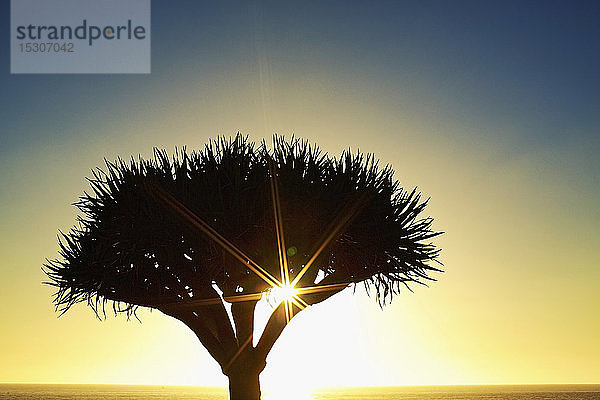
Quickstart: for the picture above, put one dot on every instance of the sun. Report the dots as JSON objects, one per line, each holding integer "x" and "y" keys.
{"x": 282, "y": 293}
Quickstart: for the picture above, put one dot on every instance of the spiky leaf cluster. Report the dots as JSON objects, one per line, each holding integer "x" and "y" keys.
{"x": 132, "y": 248}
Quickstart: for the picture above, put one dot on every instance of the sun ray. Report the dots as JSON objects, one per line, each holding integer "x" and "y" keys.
{"x": 338, "y": 224}
{"x": 286, "y": 307}
{"x": 213, "y": 234}
{"x": 238, "y": 352}
{"x": 321, "y": 288}
{"x": 293, "y": 299}
{"x": 243, "y": 297}
{"x": 283, "y": 264}
{"x": 212, "y": 301}
{"x": 297, "y": 300}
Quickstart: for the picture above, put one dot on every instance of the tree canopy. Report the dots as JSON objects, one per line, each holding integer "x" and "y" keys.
{"x": 179, "y": 233}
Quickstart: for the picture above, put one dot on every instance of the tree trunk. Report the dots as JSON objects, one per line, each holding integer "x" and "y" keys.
{"x": 244, "y": 385}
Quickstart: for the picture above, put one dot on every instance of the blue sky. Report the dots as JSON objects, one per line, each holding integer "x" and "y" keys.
{"x": 535, "y": 62}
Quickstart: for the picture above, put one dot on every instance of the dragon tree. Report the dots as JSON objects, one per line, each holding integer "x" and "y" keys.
{"x": 233, "y": 223}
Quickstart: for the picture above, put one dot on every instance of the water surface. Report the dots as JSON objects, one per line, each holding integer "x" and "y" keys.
{"x": 134, "y": 392}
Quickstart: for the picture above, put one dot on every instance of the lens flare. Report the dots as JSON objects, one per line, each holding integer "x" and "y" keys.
{"x": 277, "y": 294}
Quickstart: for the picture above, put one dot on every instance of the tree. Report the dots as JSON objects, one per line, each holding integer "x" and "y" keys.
{"x": 235, "y": 222}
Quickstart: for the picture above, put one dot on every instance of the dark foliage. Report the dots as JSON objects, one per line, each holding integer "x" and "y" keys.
{"x": 132, "y": 249}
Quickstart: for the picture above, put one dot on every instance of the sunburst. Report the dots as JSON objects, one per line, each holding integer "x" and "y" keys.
{"x": 281, "y": 291}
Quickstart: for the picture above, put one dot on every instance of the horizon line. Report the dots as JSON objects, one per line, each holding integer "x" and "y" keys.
{"x": 316, "y": 387}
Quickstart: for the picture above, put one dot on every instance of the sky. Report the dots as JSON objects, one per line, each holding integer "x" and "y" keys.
{"x": 491, "y": 109}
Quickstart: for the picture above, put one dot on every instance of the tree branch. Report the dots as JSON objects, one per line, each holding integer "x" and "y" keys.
{"x": 210, "y": 322}
{"x": 243, "y": 316}
{"x": 331, "y": 279}
{"x": 218, "y": 316}
{"x": 273, "y": 329}
{"x": 204, "y": 334}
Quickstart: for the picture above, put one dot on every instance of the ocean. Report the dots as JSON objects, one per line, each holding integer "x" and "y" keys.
{"x": 125, "y": 392}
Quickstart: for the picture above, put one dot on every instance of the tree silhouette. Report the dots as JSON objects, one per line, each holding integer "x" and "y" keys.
{"x": 235, "y": 222}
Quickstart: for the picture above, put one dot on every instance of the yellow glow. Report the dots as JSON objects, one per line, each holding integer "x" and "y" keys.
{"x": 275, "y": 390}
{"x": 520, "y": 253}
{"x": 278, "y": 294}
